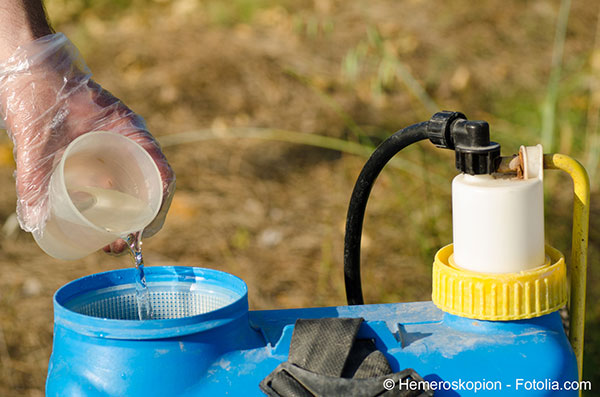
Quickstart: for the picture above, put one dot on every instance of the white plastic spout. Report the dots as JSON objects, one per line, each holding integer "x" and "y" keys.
{"x": 498, "y": 222}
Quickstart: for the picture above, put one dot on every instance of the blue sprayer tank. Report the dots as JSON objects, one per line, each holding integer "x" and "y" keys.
{"x": 492, "y": 327}
{"x": 229, "y": 350}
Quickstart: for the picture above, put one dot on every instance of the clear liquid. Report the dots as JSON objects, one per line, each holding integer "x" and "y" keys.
{"x": 142, "y": 295}
{"x": 113, "y": 210}
{"x": 109, "y": 209}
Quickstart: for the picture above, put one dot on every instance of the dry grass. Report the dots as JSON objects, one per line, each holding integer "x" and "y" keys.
{"x": 271, "y": 212}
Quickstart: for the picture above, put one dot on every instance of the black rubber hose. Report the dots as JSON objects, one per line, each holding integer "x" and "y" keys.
{"x": 358, "y": 203}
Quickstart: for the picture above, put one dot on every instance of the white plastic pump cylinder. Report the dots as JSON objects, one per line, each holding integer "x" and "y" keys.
{"x": 498, "y": 223}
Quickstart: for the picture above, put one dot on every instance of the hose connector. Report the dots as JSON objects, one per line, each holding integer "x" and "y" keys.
{"x": 440, "y": 126}
{"x": 470, "y": 140}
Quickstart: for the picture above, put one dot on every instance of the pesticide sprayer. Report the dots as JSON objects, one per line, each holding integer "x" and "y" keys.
{"x": 492, "y": 327}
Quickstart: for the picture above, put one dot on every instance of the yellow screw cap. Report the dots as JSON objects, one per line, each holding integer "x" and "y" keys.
{"x": 499, "y": 297}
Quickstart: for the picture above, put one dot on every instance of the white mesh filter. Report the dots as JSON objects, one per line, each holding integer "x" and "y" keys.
{"x": 171, "y": 301}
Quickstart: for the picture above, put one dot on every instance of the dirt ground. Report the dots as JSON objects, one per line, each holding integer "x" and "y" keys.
{"x": 273, "y": 212}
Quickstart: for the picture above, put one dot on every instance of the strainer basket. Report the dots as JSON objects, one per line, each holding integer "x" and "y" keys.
{"x": 100, "y": 348}
{"x": 183, "y": 300}
{"x": 168, "y": 301}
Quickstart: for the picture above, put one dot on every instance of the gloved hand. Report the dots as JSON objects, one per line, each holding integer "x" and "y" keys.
{"x": 47, "y": 99}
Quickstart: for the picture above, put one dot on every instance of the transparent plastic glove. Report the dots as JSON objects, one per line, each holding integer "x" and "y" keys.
{"x": 47, "y": 99}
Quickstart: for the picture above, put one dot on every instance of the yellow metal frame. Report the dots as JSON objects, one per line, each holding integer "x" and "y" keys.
{"x": 579, "y": 246}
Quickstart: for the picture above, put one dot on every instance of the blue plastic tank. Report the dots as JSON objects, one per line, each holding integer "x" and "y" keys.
{"x": 206, "y": 342}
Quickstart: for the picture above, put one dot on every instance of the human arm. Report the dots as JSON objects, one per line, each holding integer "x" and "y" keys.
{"x": 22, "y": 21}
{"x": 47, "y": 99}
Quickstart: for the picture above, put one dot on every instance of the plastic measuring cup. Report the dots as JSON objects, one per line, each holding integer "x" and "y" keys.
{"x": 104, "y": 187}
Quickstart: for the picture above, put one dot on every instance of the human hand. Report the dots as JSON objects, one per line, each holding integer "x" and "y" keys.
{"x": 47, "y": 99}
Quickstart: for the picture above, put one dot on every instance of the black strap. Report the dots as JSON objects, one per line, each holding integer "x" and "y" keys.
{"x": 326, "y": 359}
{"x": 323, "y": 346}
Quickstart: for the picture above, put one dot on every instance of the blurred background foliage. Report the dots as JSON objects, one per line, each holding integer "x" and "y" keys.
{"x": 267, "y": 110}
